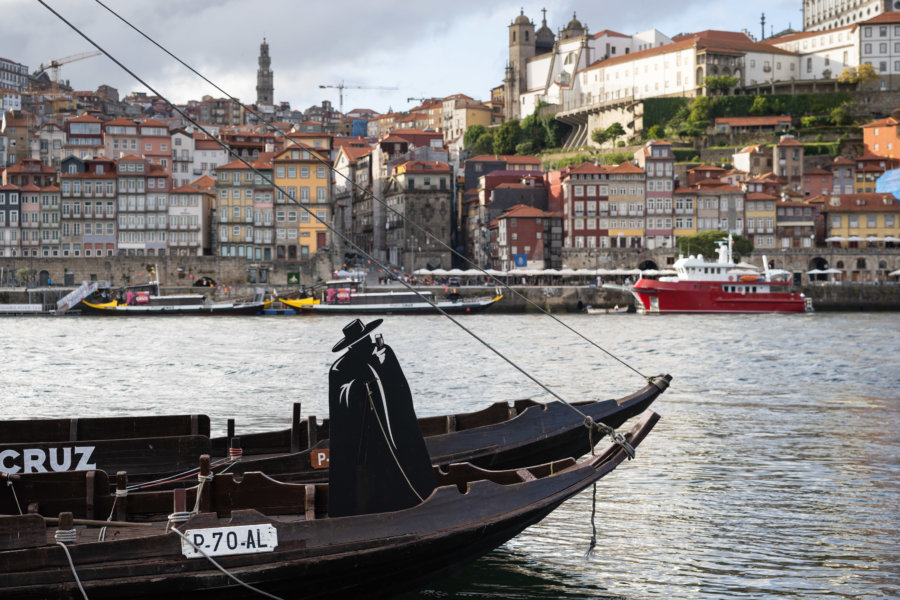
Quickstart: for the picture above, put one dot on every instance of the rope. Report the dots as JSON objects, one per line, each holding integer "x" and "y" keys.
{"x": 202, "y": 479}
{"x": 390, "y": 448}
{"x": 71, "y": 564}
{"x": 222, "y": 569}
{"x": 366, "y": 193}
{"x": 589, "y": 553}
{"x": 112, "y": 511}
{"x": 616, "y": 437}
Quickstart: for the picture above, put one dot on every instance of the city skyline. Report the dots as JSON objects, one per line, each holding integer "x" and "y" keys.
{"x": 414, "y": 46}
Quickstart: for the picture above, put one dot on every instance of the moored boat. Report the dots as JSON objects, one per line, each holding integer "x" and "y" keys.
{"x": 614, "y": 310}
{"x": 701, "y": 286}
{"x": 148, "y": 300}
{"x": 160, "y": 449}
{"x": 276, "y": 537}
{"x": 347, "y": 297}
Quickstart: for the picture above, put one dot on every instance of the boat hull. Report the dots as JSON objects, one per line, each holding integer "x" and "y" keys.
{"x": 251, "y": 308}
{"x": 709, "y": 297}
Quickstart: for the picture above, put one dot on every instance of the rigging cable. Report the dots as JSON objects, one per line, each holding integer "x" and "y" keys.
{"x": 365, "y": 192}
{"x": 408, "y": 286}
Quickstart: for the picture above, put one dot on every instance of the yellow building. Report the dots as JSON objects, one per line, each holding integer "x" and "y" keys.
{"x": 234, "y": 209}
{"x": 760, "y": 209}
{"x": 627, "y": 184}
{"x": 862, "y": 219}
{"x": 302, "y": 201}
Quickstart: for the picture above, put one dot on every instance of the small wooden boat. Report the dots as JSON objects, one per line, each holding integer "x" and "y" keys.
{"x": 276, "y": 537}
{"x": 159, "y": 450}
{"x": 346, "y": 297}
{"x": 148, "y": 300}
{"x": 615, "y": 310}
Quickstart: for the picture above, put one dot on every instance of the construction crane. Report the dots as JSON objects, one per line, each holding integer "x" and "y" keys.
{"x": 341, "y": 87}
{"x": 54, "y": 65}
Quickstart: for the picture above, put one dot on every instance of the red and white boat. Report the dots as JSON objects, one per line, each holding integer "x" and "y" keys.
{"x": 700, "y": 286}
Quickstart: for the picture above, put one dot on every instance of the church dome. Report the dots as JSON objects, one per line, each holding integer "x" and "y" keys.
{"x": 573, "y": 28}
{"x": 522, "y": 19}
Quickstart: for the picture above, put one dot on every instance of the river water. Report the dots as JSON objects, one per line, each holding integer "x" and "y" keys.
{"x": 775, "y": 471}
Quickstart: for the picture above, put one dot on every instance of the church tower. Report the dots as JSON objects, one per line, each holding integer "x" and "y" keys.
{"x": 521, "y": 48}
{"x": 265, "y": 90}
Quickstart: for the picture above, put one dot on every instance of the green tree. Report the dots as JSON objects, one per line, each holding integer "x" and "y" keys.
{"x": 533, "y": 131}
{"x": 484, "y": 144}
{"x": 657, "y": 132}
{"x": 720, "y": 83}
{"x": 615, "y": 131}
{"x": 861, "y": 75}
{"x": 701, "y": 109}
{"x": 599, "y": 136}
{"x": 507, "y": 137}
{"x": 760, "y": 106}
{"x": 840, "y": 115}
{"x": 554, "y": 131}
{"x": 472, "y": 134}
{"x": 704, "y": 243}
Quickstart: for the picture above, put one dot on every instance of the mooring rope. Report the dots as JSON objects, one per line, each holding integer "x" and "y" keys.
{"x": 68, "y": 536}
{"x": 12, "y": 488}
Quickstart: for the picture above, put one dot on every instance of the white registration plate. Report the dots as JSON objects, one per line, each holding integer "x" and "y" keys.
{"x": 237, "y": 539}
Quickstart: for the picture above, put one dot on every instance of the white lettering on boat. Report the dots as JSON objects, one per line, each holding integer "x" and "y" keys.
{"x": 39, "y": 460}
{"x": 222, "y": 541}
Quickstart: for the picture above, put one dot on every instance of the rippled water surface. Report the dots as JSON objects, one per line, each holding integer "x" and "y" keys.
{"x": 775, "y": 471}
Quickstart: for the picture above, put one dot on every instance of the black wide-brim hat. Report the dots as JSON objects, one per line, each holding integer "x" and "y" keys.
{"x": 355, "y": 331}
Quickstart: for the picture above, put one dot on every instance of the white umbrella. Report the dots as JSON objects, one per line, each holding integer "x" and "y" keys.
{"x": 440, "y": 272}
{"x": 568, "y": 272}
{"x": 832, "y": 271}
{"x": 835, "y": 238}
{"x": 649, "y": 272}
{"x": 855, "y": 238}
{"x": 474, "y": 272}
{"x": 894, "y": 273}
{"x": 455, "y": 272}
{"x": 891, "y": 238}
{"x": 496, "y": 273}
{"x": 815, "y": 272}
{"x": 422, "y": 272}
{"x": 585, "y": 272}
{"x": 743, "y": 265}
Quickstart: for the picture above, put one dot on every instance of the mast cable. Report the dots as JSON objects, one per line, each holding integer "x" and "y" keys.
{"x": 508, "y": 360}
{"x": 366, "y": 192}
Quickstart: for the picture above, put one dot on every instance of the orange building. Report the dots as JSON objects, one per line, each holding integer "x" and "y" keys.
{"x": 881, "y": 137}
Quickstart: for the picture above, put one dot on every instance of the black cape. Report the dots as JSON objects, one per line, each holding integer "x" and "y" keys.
{"x": 378, "y": 461}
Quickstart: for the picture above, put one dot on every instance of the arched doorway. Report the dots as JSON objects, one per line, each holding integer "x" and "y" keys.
{"x": 44, "y": 278}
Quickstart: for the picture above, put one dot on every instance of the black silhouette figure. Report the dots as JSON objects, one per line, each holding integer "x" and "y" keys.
{"x": 378, "y": 460}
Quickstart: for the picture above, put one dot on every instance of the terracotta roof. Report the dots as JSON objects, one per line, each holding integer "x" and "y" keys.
{"x": 882, "y": 122}
{"x": 770, "y": 176}
{"x": 425, "y": 166}
{"x": 761, "y": 196}
{"x": 520, "y": 211}
{"x": 817, "y": 171}
{"x": 870, "y": 169}
{"x": 585, "y": 167}
{"x": 757, "y": 149}
{"x": 706, "y": 168}
{"x": 354, "y": 153}
{"x": 788, "y": 141}
{"x": 84, "y": 118}
{"x": 885, "y": 17}
{"x": 626, "y": 167}
{"x": 31, "y": 188}
{"x": 610, "y": 33}
{"x": 843, "y": 161}
{"x": 866, "y": 202}
{"x": 869, "y": 157}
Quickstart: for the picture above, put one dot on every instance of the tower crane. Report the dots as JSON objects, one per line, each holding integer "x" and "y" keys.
{"x": 54, "y": 65}
{"x": 341, "y": 87}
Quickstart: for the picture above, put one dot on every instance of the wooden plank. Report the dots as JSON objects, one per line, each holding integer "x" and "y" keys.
{"x": 24, "y": 531}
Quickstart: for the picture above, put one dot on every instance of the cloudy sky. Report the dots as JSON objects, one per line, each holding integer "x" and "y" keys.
{"x": 423, "y": 49}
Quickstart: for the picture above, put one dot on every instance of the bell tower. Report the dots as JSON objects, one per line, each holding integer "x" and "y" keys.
{"x": 265, "y": 90}
{"x": 521, "y": 48}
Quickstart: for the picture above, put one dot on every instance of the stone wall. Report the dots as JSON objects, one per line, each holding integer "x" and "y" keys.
{"x": 174, "y": 271}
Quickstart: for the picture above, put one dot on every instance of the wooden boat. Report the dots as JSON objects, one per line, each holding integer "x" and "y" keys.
{"x": 273, "y": 536}
{"x": 148, "y": 300}
{"x": 346, "y": 297}
{"x": 164, "y": 448}
{"x": 615, "y": 310}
